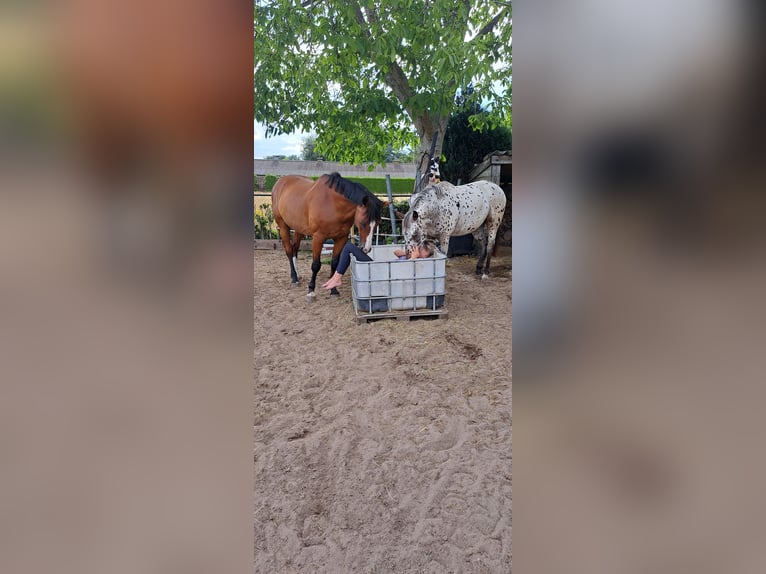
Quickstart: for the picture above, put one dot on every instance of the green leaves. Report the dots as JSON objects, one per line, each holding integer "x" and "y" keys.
{"x": 361, "y": 88}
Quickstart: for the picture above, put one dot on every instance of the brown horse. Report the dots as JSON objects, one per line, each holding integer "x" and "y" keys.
{"x": 325, "y": 209}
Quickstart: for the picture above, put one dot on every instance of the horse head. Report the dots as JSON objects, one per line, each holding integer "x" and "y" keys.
{"x": 418, "y": 223}
{"x": 367, "y": 218}
{"x": 369, "y": 209}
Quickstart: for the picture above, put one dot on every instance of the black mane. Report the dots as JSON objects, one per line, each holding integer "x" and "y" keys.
{"x": 356, "y": 193}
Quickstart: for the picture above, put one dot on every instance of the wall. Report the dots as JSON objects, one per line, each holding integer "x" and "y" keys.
{"x": 316, "y": 168}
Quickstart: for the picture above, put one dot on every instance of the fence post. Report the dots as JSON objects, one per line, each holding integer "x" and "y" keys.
{"x": 391, "y": 210}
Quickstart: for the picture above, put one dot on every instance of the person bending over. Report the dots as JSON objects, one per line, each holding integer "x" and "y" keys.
{"x": 417, "y": 252}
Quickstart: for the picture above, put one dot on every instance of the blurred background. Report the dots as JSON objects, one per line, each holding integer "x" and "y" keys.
{"x": 126, "y": 286}
{"x": 638, "y": 284}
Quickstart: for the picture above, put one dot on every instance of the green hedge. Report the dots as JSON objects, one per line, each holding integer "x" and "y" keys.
{"x": 270, "y": 181}
{"x": 376, "y": 185}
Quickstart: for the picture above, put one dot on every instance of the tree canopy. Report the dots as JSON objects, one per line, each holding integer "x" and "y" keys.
{"x": 368, "y": 76}
{"x": 308, "y": 151}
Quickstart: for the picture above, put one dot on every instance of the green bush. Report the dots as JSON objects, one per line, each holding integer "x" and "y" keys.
{"x": 264, "y": 225}
{"x": 269, "y": 182}
{"x": 464, "y": 147}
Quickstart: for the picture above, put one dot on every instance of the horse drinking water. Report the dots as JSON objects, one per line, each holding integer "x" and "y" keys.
{"x": 325, "y": 209}
{"x": 442, "y": 210}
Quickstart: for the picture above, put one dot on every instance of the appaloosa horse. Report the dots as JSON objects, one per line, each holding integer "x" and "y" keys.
{"x": 325, "y": 209}
{"x": 442, "y": 210}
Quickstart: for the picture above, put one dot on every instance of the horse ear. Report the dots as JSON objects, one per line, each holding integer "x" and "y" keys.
{"x": 385, "y": 203}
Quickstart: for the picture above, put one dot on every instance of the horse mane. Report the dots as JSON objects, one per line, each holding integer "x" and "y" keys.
{"x": 355, "y": 193}
{"x": 440, "y": 188}
{"x": 437, "y": 188}
{"x": 416, "y": 199}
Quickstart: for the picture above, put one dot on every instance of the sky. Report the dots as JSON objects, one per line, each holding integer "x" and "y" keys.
{"x": 287, "y": 144}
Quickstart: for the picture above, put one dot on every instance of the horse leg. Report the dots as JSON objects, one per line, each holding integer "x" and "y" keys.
{"x": 297, "y": 238}
{"x": 490, "y": 246}
{"x": 284, "y": 233}
{"x": 336, "y": 249}
{"x": 316, "y": 263}
{"x": 480, "y": 235}
{"x": 443, "y": 241}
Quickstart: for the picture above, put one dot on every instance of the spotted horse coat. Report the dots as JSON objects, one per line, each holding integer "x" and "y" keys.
{"x": 443, "y": 210}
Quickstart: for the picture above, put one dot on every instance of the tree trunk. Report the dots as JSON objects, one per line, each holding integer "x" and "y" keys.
{"x": 426, "y": 125}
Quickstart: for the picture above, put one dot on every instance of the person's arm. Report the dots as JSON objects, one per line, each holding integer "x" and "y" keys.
{"x": 400, "y": 252}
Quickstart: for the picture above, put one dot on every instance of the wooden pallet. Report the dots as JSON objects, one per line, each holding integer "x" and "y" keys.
{"x": 403, "y": 315}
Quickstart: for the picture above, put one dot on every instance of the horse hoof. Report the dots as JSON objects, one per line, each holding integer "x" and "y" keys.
{"x": 484, "y": 276}
{"x": 311, "y": 296}
{"x": 334, "y": 291}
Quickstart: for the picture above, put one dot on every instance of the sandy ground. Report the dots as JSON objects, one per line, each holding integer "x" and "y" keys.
{"x": 383, "y": 447}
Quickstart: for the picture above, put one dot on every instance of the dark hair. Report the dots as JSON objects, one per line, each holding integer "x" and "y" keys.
{"x": 356, "y": 193}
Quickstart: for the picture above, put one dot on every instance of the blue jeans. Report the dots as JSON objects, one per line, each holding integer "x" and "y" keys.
{"x": 345, "y": 257}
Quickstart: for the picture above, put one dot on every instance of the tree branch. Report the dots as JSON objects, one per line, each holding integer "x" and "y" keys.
{"x": 395, "y": 79}
{"x": 361, "y": 21}
{"x": 372, "y": 17}
{"x": 489, "y": 26}
{"x": 398, "y": 82}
